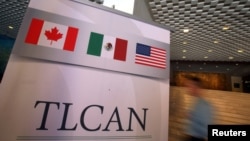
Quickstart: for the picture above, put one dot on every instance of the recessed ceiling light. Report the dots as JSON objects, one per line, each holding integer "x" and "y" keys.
{"x": 210, "y": 50}
{"x": 185, "y": 30}
{"x": 184, "y": 50}
{"x": 183, "y": 57}
{"x": 10, "y": 27}
{"x": 216, "y": 42}
{"x": 240, "y": 51}
{"x": 225, "y": 28}
{"x": 184, "y": 43}
{"x": 205, "y": 57}
{"x": 230, "y": 57}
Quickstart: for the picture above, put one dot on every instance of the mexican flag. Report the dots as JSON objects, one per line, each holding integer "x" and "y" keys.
{"x": 52, "y": 35}
{"x": 107, "y": 46}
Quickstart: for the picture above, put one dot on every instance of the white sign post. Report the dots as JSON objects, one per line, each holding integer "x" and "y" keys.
{"x": 80, "y": 71}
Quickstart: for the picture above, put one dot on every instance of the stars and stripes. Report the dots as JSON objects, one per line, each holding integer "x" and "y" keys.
{"x": 150, "y": 56}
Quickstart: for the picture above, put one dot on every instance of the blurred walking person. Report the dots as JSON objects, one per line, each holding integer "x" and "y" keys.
{"x": 200, "y": 115}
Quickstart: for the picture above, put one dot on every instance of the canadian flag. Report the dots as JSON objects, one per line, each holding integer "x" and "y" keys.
{"x": 51, "y": 34}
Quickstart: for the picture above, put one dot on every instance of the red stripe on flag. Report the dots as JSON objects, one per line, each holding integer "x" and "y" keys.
{"x": 150, "y": 61}
{"x": 152, "y": 65}
{"x": 70, "y": 40}
{"x": 120, "y": 49}
{"x": 34, "y": 31}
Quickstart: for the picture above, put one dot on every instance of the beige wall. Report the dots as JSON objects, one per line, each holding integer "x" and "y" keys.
{"x": 231, "y": 108}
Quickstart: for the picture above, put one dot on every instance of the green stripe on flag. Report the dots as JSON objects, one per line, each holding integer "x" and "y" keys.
{"x": 95, "y": 44}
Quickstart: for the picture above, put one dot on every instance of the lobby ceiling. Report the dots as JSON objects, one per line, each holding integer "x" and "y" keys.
{"x": 218, "y": 37}
{"x": 219, "y": 30}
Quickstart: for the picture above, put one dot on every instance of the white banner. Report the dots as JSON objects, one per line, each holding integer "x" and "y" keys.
{"x": 43, "y": 100}
{"x": 47, "y": 94}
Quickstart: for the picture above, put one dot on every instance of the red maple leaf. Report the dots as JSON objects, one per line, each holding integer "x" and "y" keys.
{"x": 53, "y": 34}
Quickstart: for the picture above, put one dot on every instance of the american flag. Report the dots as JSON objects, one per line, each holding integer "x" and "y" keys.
{"x": 150, "y": 56}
